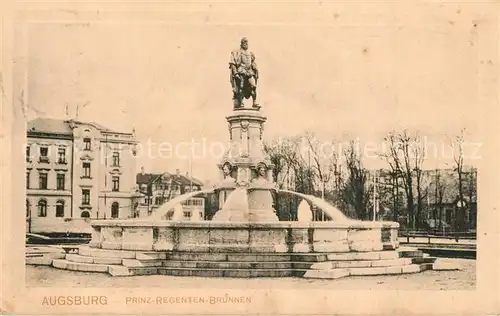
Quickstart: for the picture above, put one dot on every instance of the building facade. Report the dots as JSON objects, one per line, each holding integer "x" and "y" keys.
{"x": 158, "y": 188}
{"x": 76, "y": 171}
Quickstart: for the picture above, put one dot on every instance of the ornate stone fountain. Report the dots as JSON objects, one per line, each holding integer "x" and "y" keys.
{"x": 245, "y": 237}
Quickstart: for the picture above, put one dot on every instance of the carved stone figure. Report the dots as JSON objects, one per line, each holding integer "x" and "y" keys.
{"x": 226, "y": 170}
{"x": 244, "y": 75}
{"x": 261, "y": 175}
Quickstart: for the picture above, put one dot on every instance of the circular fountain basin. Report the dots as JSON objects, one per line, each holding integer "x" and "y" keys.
{"x": 271, "y": 237}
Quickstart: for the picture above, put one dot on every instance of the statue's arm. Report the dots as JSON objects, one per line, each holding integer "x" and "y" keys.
{"x": 232, "y": 63}
{"x": 254, "y": 67}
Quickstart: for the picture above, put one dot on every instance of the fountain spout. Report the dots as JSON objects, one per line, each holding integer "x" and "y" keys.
{"x": 330, "y": 210}
{"x": 165, "y": 208}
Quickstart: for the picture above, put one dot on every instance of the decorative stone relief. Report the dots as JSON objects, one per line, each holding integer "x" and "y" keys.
{"x": 226, "y": 171}
{"x": 244, "y": 138}
{"x": 243, "y": 176}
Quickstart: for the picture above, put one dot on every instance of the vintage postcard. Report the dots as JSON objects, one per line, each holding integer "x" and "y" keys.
{"x": 270, "y": 157}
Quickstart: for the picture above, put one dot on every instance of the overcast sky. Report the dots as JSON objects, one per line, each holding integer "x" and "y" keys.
{"x": 171, "y": 81}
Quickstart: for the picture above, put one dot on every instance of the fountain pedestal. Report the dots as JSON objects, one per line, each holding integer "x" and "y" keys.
{"x": 246, "y": 166}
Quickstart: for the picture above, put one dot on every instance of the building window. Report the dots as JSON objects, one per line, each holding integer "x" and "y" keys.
{"x": 42, "y": 208}
{"x": 43, "y": 181}
{"x": 85, "y": 214}
{"x": 61, "y": 179}
{"x": 60, "y": 209}
{"x": 85, "y": 197}
{"x": 115, "y": 210}
{"x": 27, "y": 179}
{"x": 86, "y": 170}
{"x": 116, "y": 183}
{"x": 116, "y": 159}
{"x": 28, "y": 208}
{"x": 28, "y": 154}
{"x": 61, "y": 155}
{"x": 87, "y": 144}
{"x": 44, "y": 154}
{"x": 158, "y": 200}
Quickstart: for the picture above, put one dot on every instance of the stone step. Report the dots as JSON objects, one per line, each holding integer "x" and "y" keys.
{"x": 285, "y": 265}
{"x": 410, "y": 253}
{"x": 39, "y": 261}
{"x": 411, "y": 268}
{"x": 369, "y": 256}
{"x": 104, "y": 253}
{"x": 227, "y": 265}
{"x": 372, "y": 271}
{"x": 253, "y": 257}
{"x": 326, "y": 274}
{"x": 425, "y": 259}
{"x": 34, "y": 255}
{"x": 126, "y": 271}
{"x": 231, "y": 273}
{"x": 79, "y": 266}
{"x": 153, "y": 255}
{"x": 326, "y": 265}
{"x": 96, "y": 260}
{"x": 131, "y": 263}
{"x": 284, "y": 257}
{"x": 44, "y": 259}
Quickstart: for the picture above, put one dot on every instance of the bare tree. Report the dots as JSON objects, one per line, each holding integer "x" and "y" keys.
{"x": 439, "y": 193}
{"x": 472, "y": 192}
{"x": 320, "y": 161}
{"x": 418, "y": 152}
{"x": 405, "y": 156}
{"x": 284, "y": 154}
{"x": 356, "y": 191}
{"x": 457, "y": 145}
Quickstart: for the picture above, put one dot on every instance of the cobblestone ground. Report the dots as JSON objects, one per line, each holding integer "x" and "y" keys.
{"x": 464, "y": 279}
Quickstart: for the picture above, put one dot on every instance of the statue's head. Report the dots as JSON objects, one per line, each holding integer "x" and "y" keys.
{"x": 261, "y": 170}
{"x": 226, "y": 169}
{"x": 244, "y": 43}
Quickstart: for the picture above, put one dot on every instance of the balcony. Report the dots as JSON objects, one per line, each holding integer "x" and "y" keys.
{"x": 43, "y": 159}
{"x": 62, "y": 161}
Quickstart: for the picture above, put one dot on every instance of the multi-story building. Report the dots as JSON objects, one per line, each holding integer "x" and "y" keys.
{"x": 159, "y": 188}
{"x": 77, "y": 171}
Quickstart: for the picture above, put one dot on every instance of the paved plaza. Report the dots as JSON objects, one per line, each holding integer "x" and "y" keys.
{"x": 465, "y": 279}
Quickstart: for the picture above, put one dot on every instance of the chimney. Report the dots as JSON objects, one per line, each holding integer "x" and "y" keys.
{"x": 177, "y": 172}
{"x": 187, "y": 175}
{"x": 142, "y": 170}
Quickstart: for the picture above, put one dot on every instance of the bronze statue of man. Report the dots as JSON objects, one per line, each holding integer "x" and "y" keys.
{"x": 244, "y": 75}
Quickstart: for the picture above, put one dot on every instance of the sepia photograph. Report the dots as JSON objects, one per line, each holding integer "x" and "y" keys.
{"x": 188, "y": 157}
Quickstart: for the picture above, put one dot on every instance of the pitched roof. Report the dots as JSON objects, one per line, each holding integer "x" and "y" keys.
{"x": 58, "y": 126}
{"x": 48, "y": 125}
{"x": 104, "y": 128}
{"x": 145, "y": 178}
{"x": 187, "y": 180}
